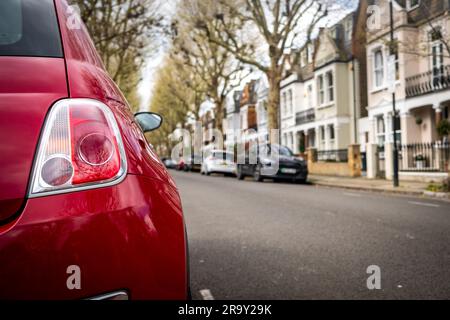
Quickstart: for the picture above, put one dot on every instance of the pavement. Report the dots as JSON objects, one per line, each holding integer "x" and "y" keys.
{"x": 272, "y": 240}
{"x": 375, "y": 185}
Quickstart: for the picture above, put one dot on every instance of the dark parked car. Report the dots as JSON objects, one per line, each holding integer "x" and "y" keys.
{"x": 290, "y": 168}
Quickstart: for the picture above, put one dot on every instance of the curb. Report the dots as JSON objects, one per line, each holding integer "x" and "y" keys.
{"x": 370, "y": 189}
{"x": 437, "y": 195}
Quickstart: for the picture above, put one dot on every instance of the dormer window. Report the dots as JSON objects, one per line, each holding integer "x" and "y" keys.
{"x": 412, "y": 4}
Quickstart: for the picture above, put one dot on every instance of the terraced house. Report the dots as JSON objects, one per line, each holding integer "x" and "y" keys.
{"x": 420, "y": 72}
{"x": 324, "y": 93}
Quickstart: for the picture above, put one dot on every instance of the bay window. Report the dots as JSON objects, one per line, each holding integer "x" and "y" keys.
{"x": 321, "y": 90}
{"x": 330, "y": 87}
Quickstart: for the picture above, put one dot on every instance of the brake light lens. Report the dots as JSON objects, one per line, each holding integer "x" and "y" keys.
{"x": 81, "y": 148}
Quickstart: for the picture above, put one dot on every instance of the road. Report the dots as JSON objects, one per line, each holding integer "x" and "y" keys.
{"x": 280, "y": 241}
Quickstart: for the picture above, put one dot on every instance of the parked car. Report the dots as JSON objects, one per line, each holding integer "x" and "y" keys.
{"x": 196, "y": 163}
{"x": 169, "y": 163}
{"x": 289, "y": 167}
{"x": 219, "y": 161}
{"x": 87, "y": 209}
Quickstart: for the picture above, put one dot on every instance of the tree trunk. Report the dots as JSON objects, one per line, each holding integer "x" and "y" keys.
{"x": 219, "y": 115}
{"x": 273, "y": 104}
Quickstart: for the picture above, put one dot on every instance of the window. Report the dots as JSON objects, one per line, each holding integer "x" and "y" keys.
{"x": 322, "y": 134}
{"x": 330, "y": 87}
{"x": 291, "y": 102}
{"x": 332, "y": 133}
{"x": 381, "y": 131}
{"x": 320, "y": 85}
{"x": 284, "y": 103}
{"x": 281, "y": 150}
{"x": 378, "y": 68}
{"x": 29, "y": 28}
{"x": 309, "y": 94}
{"x": 412, "y": 4}
{"x": 397, "y": 65}
{"x": 437, "y": 57}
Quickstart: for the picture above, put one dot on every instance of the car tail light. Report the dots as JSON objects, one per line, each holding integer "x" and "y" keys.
{"x": 80, "y": 148}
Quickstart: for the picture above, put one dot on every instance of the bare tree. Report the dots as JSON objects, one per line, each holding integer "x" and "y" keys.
{"x": 122, "y": 31}
{"x": 279, "y": 24}
{"x": 172, "y": 105}
{"x": 217, "y": 69}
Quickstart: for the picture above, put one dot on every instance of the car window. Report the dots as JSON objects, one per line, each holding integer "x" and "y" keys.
{"x": 285, "y": 151}
{"x": 281, "y": 150}
{"x": 29, "y": 28}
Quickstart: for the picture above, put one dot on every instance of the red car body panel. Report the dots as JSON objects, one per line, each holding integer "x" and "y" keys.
{"x": 28, "y": 87}
{"x": 124, "y": 237}
{"x": 87, "y": 78}
{"x": 130, "y": 236}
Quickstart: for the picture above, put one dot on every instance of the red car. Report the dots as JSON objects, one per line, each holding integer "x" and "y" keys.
{"x": 87, "y": 209}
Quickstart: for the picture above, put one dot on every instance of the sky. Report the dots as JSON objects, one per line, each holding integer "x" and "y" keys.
{"x": 154, "y": 62}
{"x": 168, "y": 8}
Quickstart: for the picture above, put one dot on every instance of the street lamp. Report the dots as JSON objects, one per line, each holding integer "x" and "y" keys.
{"x": 394, "y": 116}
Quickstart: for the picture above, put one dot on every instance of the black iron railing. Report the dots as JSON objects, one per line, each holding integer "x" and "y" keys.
{"x": 434, "y": 80}
{"x": 306, "y": 116}
{"x": 425, "y": 157}
{"x": 333, "y": 155}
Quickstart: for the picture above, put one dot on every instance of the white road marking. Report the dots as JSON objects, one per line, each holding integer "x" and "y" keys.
{"x": 206, "y": 294}
{"x": 424, "y": 204}
{"x": 352, "y": 195}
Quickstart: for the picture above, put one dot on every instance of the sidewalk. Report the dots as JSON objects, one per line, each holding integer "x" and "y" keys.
{"x": 406, "y": 187}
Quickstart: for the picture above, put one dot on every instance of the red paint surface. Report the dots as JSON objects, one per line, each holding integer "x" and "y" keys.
{"x": 125, "y": 237}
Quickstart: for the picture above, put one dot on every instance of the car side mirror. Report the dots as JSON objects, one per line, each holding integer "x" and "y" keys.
{"x": 148, "y": 121}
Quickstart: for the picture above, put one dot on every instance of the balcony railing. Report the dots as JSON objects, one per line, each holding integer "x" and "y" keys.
{"x": 434, "y": 80}
{"x": 305, "y": 117}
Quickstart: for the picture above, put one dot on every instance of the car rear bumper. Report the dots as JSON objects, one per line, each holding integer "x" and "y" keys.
{"x": 222, "y": 169}
{"x": 126, "y": 238}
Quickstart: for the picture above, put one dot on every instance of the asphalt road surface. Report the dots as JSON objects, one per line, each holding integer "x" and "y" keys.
{"x": 271, "y": 240}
